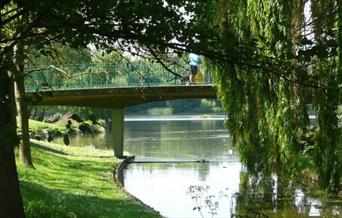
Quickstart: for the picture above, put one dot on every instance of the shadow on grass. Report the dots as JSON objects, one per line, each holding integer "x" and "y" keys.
{"x": 65, "y": 186}
{"x": 48, "y": 149}
{"x": 42, "y": 202}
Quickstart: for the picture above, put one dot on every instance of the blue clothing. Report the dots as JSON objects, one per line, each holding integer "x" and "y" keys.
{"x": 195, "y": 59}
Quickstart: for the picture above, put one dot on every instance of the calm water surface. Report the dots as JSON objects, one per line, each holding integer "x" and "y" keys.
{"x": 166, "y": 186}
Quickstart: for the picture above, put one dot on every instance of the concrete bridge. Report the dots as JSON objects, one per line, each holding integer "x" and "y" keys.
{"x": 121, "y": 97}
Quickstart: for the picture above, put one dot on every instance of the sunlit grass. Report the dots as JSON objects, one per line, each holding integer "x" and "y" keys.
{"x": 37, "y": 126}
{"x": 77, "y": 183}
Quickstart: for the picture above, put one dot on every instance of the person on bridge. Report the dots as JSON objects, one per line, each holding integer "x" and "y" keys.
{"x": 195, "y": 61}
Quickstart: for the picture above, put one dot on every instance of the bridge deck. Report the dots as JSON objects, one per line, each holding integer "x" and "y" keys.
{"x": 124, "y": 96}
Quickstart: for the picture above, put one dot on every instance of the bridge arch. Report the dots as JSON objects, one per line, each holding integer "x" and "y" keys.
{"x": 118, "y": 99}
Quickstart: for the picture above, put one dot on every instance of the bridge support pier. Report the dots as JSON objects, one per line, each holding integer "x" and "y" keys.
{"x": 118, "y": 131}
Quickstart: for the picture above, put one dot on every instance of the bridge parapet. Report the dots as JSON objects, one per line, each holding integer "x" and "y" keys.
{"x": 118, "y": 74}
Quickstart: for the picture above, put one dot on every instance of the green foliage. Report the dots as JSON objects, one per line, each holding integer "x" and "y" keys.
{"x": 76, "y": 118}
{"x": 173, "y": 107}
{"x": 274, "y": 67}
{"x": 58, "y": 55}
{"x": 103, "y": 70}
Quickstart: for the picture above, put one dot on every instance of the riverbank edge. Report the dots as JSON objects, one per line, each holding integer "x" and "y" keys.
{"x": 60, "y": 150}
{"x": 44, "y": 131}
{"x": 118, "y": 179}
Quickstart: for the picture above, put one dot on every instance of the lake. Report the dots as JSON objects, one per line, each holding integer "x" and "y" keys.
{"x": 176, "y": 187}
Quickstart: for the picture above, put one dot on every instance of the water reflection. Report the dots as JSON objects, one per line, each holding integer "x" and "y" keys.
{"x": 164, "y": 186}
{"x": 170, "y": 140}
{"x": 228, "y": 192}
{"x": 155, "y": 140}
{"x": 253, "y": 200}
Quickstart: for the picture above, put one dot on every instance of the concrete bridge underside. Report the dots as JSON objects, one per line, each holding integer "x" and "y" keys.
{"x": 124, "y": 97}
{"x": 119, "y": 98}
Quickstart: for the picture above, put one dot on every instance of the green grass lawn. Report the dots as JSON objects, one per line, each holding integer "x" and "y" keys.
{"x": 75, "y": 182}
{"x": 37, "y": 126}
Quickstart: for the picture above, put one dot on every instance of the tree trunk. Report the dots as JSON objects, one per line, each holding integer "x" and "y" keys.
{"x": 11, "y": 205}
{"x": 22, "y": 108}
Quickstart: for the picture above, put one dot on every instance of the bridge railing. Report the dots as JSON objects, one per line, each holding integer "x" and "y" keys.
{"x": 119, "y": 74}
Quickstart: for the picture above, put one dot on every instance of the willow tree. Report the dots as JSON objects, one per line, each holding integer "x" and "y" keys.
{"x": 280, "y": 60}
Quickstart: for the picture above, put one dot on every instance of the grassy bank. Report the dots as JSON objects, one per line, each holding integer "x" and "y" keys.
{"x": 38, "y": 126}
{"x": 75, "y": 182}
